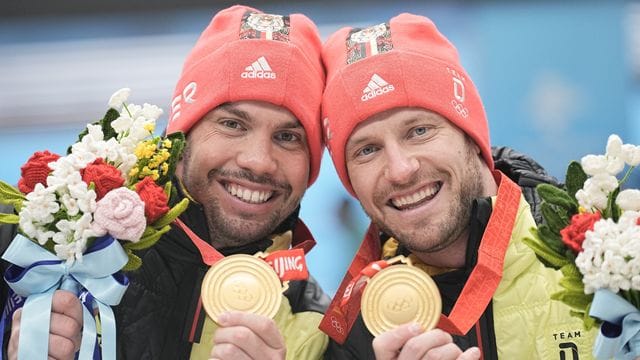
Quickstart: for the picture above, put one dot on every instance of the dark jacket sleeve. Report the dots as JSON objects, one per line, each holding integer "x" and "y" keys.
{"x": 526, "y": 172}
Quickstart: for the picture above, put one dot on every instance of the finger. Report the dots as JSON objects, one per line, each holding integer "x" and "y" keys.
{"x": 67, "y": 303}
{"x": 227, "y": 351}
{"x": 61, "y": 348}
{"x": 248, "y": 341}
{"x": 12, "y": 347}
{"x": 436, "y": 342}
{"x": 260, "y": 325}
{"x": 471, "y": 354}
{"x": 388, "y": 344}
{"x": 448, "y": 351}
{"x": 66, "y": 327}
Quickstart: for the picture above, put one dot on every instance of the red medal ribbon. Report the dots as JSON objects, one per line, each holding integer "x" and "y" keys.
{"x": 289, "y": 264}
{"x": 477, "y": 291}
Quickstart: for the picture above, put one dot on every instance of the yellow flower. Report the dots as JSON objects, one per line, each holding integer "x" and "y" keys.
{"x": 150, "y": 127}
{"x": 165, "y": 168}
{"x": 167, "y": 143}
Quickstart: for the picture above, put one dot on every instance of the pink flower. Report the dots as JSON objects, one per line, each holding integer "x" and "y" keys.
{"x": 120, "y": 213}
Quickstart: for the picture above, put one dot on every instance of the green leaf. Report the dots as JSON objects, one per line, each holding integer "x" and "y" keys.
{"x": 106, "y": 121}
{"x": 571, "y": 271}
{"x": 613, "y": 210}
{"x": 133, "y": 263}
{"x": 177, "y": 145}
{"x": 551, "y": 239}
{"x": 148, "y": 240}
{"x": 172, "y": 214}
{"x": 9, "y": 219}
{"x": 575, "y": 178}
{"x": 556, "y": 196}
{"x": 548, "y": 257}
{"x": 11, "y": 196}
{"x": 555, "y": 217}
{"x": 572, "y": 284}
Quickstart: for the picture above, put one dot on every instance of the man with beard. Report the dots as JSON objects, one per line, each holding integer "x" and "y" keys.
{"x": 249, "y": 101}
{"x": 409, "y": 138}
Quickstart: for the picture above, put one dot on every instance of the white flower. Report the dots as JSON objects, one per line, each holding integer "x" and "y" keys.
{"x": 118, "y": 98}
{"x": 122, "y": 124}
{"x": 629, "y": 199}
{"x": 595, "y": 191}
{"x": 631, "y": 154}
{"x": 150, "y": 112}
{"x": 71, "y": 204}
{"x": 614, "y": 145}
{"x": 594, "y": 164}
{"x": 611, "y": 256}
{"x": 42, "y": 204}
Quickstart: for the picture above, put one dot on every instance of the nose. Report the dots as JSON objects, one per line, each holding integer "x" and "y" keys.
{"x": 401, "y": 164}
{"x": 256, "y": 155}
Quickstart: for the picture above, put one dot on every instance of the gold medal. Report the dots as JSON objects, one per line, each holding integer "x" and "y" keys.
{"x": 241, "y": 283}
{"x": 398, "y": 295}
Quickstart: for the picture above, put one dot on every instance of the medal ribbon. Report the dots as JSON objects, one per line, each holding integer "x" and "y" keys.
{"x": 477, "y": 291}
{"x": 288, "y": 264}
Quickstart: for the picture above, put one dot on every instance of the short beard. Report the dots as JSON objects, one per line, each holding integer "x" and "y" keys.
{"x": 224, "y": 232}
{"x": 456, "y": 223}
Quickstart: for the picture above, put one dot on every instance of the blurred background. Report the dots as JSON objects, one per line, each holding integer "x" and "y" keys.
{"x": 556, "y": 79}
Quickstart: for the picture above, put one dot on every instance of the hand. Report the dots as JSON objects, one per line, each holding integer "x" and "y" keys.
{"x": 409, "y": 341}
{"x": 247, "y": 336}
{"x": 64, "y": 331}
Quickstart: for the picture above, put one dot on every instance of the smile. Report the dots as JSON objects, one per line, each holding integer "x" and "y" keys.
{"x": 417, "y": 198}
{"x": 248, "y": 195}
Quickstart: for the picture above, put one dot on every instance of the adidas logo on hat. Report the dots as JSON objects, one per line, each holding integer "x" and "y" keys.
{"x": 259, "y": 69}
{"x": 376, "y": 86}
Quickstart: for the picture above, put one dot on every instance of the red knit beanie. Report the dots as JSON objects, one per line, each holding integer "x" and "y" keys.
{"x": 245, "y": 54}
{"x": 404, "y": 63}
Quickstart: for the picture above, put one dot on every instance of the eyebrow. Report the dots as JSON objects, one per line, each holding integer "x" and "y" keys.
{"x": 230, "y": 108}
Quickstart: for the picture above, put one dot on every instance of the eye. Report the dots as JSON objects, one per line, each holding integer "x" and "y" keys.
{"x": 231, "y": 124}
{"x": 286, "y": 136}
{"x": 419, "y": 131}
{"x": 366, "y": 150}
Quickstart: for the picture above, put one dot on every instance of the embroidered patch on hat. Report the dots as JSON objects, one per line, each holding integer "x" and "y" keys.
{"x": 368, "y": 42}
{"x": 265, "y": 26}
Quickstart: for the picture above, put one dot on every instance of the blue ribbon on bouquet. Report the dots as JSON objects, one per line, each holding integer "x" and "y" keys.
{"x": 37, "y": 273}
{"x": 619, "y": 335}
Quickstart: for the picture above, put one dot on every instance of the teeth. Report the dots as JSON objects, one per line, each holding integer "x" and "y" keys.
{"x": 415, "y": 198}
{"x": 248, "y": 195}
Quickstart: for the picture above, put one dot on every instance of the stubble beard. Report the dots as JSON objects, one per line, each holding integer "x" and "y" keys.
{"x": 225, "y": 231}
{"x": 429, "y": 237}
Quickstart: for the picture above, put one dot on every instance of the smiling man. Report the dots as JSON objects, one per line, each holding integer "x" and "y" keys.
{"x": 409, "y": 138}
{"x": 248, "y": 99}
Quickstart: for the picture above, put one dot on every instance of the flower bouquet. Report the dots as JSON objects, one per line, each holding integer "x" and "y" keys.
{"x": 82, "y": 216}
{"x": 591, "y": 233}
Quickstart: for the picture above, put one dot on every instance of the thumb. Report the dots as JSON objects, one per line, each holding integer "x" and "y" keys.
{"x": 387, "y": 345}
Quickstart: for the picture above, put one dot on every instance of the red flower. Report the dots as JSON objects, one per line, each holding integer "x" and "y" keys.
{"x": 573, "y": 235}
{"x": 154, "y": 198}
{"x": 105, "y": 177}
{"x": 36, "y": 170}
